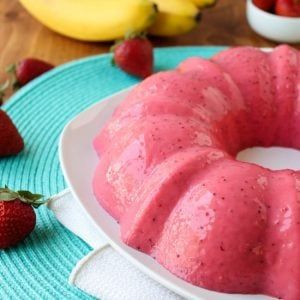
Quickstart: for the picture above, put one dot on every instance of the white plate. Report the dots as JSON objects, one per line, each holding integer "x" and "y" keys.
{"x": 78, "y": 160}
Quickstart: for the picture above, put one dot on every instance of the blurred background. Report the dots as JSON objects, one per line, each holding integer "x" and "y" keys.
{"x": 21, "y": 35}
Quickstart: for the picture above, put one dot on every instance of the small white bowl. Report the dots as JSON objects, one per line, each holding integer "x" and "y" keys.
{"x": 273, "y": 27}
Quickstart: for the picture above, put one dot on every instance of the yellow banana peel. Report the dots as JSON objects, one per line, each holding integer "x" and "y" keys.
{"x": 93, "y": 20}
{"x": 174, "y": 17}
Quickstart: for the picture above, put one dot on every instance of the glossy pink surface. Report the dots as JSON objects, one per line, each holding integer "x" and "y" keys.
{"x": 168, "y": 174}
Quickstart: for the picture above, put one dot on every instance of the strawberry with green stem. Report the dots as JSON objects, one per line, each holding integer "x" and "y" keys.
{"x": 27, "y": 70}
{"x": 134, "y": 55}
{"x": 23, "y": 72}
{"x": 17, "y": 216}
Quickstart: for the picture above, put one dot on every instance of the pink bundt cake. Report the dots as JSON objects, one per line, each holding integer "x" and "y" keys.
{"x": 168, "y": 174}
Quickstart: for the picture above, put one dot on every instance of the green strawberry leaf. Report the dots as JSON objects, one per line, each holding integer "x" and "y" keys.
{"x": 6, "y": 196}
{"x": 11, "y": 69}
{"x": 130, "y": 34}
{"x": 4, "y": 86}
{"x": 29, "y": 195}
{"x": 24, "y": 196}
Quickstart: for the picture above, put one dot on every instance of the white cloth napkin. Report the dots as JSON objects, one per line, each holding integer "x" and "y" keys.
{"x": 103, "y": 273}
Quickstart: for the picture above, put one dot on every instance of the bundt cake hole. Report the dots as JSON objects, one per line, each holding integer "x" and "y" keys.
{"x": 274, "y": 158}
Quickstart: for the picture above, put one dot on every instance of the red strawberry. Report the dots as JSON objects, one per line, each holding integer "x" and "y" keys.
{"x": 28, "y": 69}
{"x": 134, "y": 56}
{"x": 17, "y": 217}
{"x": 264, "y": 4}
{"x": 288, "y": 8}
{"x": 11, "y": 142}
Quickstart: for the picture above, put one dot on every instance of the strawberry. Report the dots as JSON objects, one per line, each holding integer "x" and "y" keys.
{"x": 134, "y": 55}
{"x": 11, "y": 142}
{"x": 17, "y": 217}
{"x": 288, "y": 8}
{"x": 264, "y": 4}
{"x": 28, "y": 69}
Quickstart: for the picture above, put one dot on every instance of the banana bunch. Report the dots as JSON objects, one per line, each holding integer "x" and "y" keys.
{"x": 105, "y": 20}
{"x": 174, "y": 17}
{"x": 93, "y": 20}
{"x": 203, "y": 3}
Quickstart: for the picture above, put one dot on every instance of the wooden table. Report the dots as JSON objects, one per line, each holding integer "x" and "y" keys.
{"x": 22, "y": 36}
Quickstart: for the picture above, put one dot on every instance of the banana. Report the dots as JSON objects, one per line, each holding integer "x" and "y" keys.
{"x": 93, "y": 20}
{"x": 174, "y": 17}
{"x": 204, "y": 3}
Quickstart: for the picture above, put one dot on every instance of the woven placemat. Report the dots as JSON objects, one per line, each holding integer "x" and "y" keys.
{"x": 40, "y": 266}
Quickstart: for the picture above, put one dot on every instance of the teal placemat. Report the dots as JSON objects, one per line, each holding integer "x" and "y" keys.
{"x": 40, "y": 266}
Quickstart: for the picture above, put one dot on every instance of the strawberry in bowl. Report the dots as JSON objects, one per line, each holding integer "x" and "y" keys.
{"x": 288, "y": 8}
{"x": 266, "y": 5}
{"x": 277, "y": 20}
